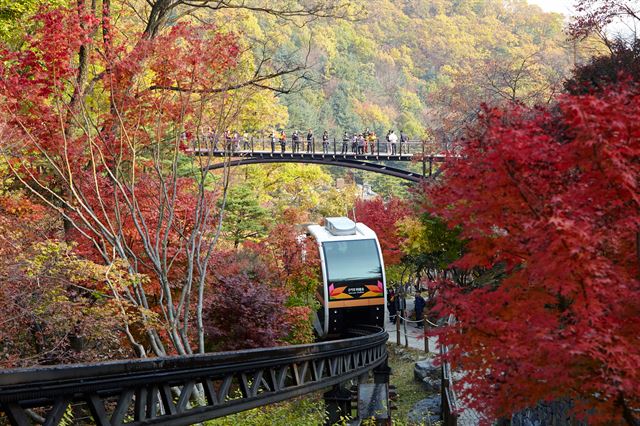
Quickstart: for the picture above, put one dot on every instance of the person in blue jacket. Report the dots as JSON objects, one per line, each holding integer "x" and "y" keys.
{"x": 419, "y": 305}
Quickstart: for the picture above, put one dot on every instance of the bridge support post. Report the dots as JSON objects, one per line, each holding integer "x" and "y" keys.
{"x": 338, "y": 404}
{"x": 424, "y": 162}
{"x": 382, "y": 372}
{"x": 381, "y": 377}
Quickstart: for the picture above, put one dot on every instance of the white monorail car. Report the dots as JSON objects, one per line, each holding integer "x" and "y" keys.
{"x": 353, "y": 291}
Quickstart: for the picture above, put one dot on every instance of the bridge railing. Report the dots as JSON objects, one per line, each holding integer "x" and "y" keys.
{"x": 333, "y": 146}
{"x": 186, "y": 390}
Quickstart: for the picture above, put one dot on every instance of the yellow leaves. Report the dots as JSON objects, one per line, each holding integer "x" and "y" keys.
{"x": 379, "y": 116}
{"x": 326, "y": 40}
{"x": 286, "y": 185}
{"x": 57, "y": 260}
{"x": 261, "y": 111}
{"x": 305, "y": 187}
{"x": 411, "y": 230}
{"x": 338, "y": 200}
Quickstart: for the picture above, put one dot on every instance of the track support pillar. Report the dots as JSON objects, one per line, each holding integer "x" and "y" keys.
{"x": 338, "y": 404}
{"x": 382, "y": 372}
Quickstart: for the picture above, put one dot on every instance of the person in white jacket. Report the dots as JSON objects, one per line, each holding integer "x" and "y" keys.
{"x": 392, "y": 141}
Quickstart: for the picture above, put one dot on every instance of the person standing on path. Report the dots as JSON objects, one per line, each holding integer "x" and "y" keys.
{"x": 391, "y": 304}
{"x": 419, "y": 305}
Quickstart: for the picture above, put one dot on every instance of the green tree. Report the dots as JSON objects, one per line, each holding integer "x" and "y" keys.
{"x": 244, "y": 218}
{"x": 430, "y": 246}
{"x": 15, "y": 17}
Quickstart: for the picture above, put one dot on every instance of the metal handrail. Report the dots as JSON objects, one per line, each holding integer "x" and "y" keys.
{"x": 263, "y": 145}
{"x": 144, "y": 386}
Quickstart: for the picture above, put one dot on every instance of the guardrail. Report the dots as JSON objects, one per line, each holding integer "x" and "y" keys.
{"x": 188, "y": 389}
{"x": 448, "y": 398}
{"x": 333, "y": 146}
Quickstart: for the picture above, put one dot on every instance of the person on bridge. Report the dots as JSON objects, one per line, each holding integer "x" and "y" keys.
{"x": 310, "y": 147}
{"x": 393, "y": 140}
{"x": 246, "y": 141}
{"x": 236, "y": 141}
{"x": 283, "y": 141}
{"x": 295, "y": 142}
{"x": 354, "y": 143}
{"x": 227, "y": 140}
{"x": 361, "y": 144}
{"x": 372, "y": 142}
{"x": 209, "y": 138}
{"x": 403, "y": 140}
{"x": 419, "y": 305}
{"x": 365, "y": 135}
{"x": 325, "y": 142}
{"x": 345, "y": 143}
{"x": 273, "y": 141}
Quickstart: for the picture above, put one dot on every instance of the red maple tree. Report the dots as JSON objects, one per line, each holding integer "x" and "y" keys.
{"x": 92, "y": 124}
{"x": 551, "y": 197}
{"x": 382, "y": 218}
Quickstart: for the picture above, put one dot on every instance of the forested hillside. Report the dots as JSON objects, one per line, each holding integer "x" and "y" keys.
{"x": 424, "y": 66}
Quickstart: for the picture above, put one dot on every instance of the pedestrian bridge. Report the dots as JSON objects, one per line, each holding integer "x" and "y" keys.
{"x": 373, "y": 160}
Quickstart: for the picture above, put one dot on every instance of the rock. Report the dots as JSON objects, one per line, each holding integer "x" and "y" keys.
{"x": 398, "y": 350}
{"x": 426, "y": 368}
{"x": 431, "y": 385}
{"x": 556, "y": 412}
{"x": 407, "y": 357}
{"x": 426, "y": 411}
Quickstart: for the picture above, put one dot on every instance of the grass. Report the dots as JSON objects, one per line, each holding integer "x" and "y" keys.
{"x": 306, "y": 411}
{"x": 409, "y": 391}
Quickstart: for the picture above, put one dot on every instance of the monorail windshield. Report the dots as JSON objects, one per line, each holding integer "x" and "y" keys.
{"x": 352, "y": 260}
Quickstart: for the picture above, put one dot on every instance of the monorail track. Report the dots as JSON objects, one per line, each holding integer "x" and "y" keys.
{"x": 188, "y": 389}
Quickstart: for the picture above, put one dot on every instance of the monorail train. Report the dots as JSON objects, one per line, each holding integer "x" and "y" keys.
{"x": 353, "y": 289}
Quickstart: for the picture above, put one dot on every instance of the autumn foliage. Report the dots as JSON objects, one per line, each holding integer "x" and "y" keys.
{"x": 552, "y": 197}
{"x": 248, "y": 304}
{"x": 54, "y": 303}
{"x": 91, "y": 123}
{"x": 382, "y": 217}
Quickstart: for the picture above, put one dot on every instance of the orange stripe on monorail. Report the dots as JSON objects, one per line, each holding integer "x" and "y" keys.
{"x": 357, "y": 302}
